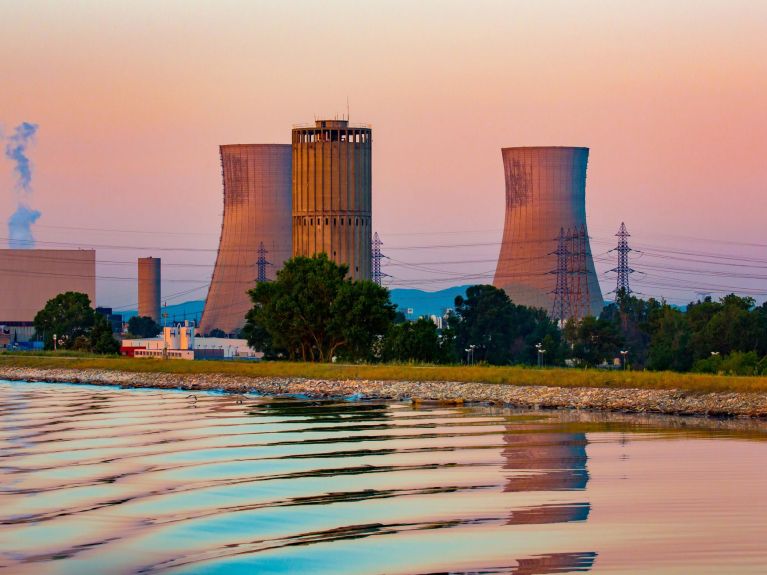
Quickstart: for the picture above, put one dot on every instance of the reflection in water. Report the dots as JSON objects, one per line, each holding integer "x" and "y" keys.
{"x": 96, "y": 480}
{"x": 548, "y": 462}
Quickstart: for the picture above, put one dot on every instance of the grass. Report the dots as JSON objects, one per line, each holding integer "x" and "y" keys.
{"x": 505, "y": 375}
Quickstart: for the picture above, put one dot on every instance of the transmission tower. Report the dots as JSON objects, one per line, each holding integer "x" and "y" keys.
{"x": 623, "y": 270}
{"x": 377, "y": 256}
{"x": 561, "y": 307}
{"x": 580, "y": 302}
{"x": 262, "y": 262}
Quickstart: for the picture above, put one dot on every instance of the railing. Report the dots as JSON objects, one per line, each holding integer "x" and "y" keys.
{"x": 313, "y": 126}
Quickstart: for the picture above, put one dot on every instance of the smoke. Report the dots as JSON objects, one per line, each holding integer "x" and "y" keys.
{"x": 20, "y": 223}
{"x": 20, "y": 227}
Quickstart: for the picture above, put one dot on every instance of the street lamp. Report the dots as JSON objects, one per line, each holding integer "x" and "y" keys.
{"x": 624, "y": 353}
{"x": 541, "y": 351}
{"x": 470, "y": 353}
{"x": 714, "y": 353}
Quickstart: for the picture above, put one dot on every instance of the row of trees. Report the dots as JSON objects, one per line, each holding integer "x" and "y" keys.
{"x": 313, "y": 312}
{"x": 729, "y": 335}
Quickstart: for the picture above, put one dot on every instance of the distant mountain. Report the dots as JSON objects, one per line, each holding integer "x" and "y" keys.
{"x": 176, "y": 312}
{"x": 421, "y": 302}
{"x": 426, "y": 302}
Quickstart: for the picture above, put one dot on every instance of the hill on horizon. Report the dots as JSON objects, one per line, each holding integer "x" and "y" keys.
{"x": 423, "y": 303}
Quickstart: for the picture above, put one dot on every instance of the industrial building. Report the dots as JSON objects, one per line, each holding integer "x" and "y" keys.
{"x": 546, "y": 199}
{"x": 255, "y": 233}
{"x": 149, "y": 282}
{"x": 180, "y": 342}
{"x": 332, "y": 193}
{"x": 29, "y": 278}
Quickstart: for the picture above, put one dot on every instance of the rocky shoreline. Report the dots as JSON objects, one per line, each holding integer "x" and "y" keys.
{"x": 653, "y": 401}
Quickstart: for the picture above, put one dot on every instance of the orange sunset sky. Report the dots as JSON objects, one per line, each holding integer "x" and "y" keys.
{"x": 133, "y": 98}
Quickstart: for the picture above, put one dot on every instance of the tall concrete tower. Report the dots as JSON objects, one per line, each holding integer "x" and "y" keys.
{"x": 255, "y": 233}
{"x": 545, "y": 194}
{"x": 332, "y": 193}
{"x": 149, "y": 288}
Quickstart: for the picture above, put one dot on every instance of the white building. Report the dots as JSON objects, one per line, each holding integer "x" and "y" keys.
{"x": 180, "y": 342}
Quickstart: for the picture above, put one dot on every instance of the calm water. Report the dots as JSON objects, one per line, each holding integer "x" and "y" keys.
{"x": 102, "y": 480}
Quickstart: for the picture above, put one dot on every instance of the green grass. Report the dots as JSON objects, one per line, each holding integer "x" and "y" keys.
{"x": 488, "y": 374}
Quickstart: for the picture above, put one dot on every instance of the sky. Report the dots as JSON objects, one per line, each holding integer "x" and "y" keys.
{"x": 132, "y": 100}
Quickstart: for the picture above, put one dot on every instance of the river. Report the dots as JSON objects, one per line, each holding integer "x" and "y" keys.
{"x": 105, "y": 480}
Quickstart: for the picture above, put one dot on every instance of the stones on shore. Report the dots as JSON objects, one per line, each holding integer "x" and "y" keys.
{"x": 424, "y": 393}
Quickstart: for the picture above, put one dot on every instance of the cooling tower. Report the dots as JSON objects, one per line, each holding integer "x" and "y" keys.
{"x": 257, "y": 181}
{"x": 149, "y": 288}
{"x": 332, "y": 193}
{"x": 545, "y": 194}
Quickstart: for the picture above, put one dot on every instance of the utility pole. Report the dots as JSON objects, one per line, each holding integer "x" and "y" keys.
{"x": 262, "y": 262}
{"x": 623, "y": 269}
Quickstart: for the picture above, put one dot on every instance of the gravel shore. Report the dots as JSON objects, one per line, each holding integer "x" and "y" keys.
{"x": 665, "y": 401}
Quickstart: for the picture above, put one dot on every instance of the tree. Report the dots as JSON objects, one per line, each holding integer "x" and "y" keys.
{"x": 215, "y": 332}
{"x": 670, "y": 340}
{"x": 413, "y": 341}
{"x": 143, "y": 326}
{"x": 500, "y": 331}
{"x": 68, "y": 315}
{"x": 101, "y": 338}
{"x": 630, "y": 316}
{"x": 593, "y": 340}
{"x": 313, "y": 313}
{"x": 360, "y": 312}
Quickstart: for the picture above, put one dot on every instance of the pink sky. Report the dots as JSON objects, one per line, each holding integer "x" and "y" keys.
{"x": 133, "y": 99}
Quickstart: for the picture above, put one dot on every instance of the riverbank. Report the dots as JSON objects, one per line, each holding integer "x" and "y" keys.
{"x": 606, "y": 397}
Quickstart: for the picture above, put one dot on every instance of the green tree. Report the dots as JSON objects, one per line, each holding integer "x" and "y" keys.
{"x": 593, "y": 340}
{"x": 630, "y": 315}
{"x": 68, "y": 315}
{"x": 500, "y": 331}
{"x": 143, "y": 326}
{"x": 670, "y": 345}
{"x": 312, "y": 312}
{"x": 413, "y": 341}
{"x": 101, "y": 338}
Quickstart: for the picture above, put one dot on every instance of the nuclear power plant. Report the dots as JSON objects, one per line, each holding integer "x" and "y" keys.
{"x": 149, "y": 280}
{"x": 545, "y": 260}
{"x": 332, "y": 182}
{"x": 255, "y": 233}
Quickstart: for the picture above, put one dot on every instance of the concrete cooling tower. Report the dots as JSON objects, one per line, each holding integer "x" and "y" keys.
{"x": 332, "y": 193}
{"x": 256, "y": 230}
{"x": 546, "y": 199}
